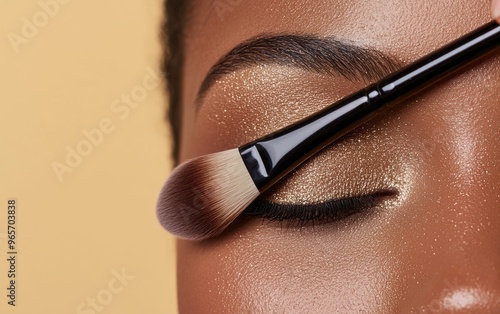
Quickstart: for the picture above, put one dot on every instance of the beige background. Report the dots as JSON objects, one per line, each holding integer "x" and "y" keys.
{"x": 77, "y": 233}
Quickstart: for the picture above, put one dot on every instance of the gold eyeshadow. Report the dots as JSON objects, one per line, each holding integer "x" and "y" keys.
{"x": 361, "y": 164}
{"x": 248, "y": 104}
{"x": 251, "y": 103}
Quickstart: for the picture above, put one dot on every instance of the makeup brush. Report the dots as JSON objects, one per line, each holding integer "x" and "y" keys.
{"x": 204, "y": 195}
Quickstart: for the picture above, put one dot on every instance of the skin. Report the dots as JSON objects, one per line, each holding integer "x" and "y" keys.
{"x": 495, "y": 10}
{"x": 433, "y": 248}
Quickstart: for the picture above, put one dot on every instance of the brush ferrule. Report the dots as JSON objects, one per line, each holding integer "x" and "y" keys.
{"x": 270, "y": 158}
{"x": 258, "y": 163}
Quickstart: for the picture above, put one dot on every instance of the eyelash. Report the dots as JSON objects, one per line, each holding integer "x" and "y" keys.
{"x": 302, "y": 215}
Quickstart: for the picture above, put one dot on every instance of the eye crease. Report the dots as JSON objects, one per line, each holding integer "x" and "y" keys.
{"x": 303, "y": 215}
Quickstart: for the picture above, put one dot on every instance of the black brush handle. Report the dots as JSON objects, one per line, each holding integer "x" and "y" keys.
{"x": 270, "y": 158}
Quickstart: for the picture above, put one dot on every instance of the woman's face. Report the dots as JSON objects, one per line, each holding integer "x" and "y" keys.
{"x": 432, "y": 245}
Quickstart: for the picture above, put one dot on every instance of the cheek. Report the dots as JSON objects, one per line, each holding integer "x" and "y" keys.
{"x": 260, "y": 269}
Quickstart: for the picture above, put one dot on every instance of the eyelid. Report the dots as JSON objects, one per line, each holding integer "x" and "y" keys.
{"x": 302, "y": 215}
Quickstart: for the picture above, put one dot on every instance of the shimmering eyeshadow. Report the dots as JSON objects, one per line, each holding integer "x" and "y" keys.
{"x": 256, "y": 102}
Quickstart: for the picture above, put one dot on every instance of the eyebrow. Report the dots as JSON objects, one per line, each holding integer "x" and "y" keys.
{"x": 323, "y": 55}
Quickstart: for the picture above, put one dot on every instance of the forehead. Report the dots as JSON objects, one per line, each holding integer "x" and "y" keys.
{"x": 405, "y": 29}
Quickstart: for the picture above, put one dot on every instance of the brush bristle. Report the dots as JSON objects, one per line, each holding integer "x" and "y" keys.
{"x": 204, "y": 195}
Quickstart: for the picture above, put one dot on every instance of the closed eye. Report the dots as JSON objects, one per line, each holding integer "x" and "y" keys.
{"x": 302, "y": 215}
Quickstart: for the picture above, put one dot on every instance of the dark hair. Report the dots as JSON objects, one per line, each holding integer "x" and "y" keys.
{"x": 172, "y": 37}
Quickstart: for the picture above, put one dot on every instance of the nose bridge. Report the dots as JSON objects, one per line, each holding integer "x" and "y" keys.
{"x": 456, "y": 254}
{"x": 456, "y": 250}
{"x": 466, "y": 178}
{"x": 470, "y": 185}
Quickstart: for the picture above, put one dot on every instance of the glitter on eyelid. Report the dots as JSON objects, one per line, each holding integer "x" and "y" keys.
{"x": 358, "y": 165}
{"x": 275, "y": 98}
